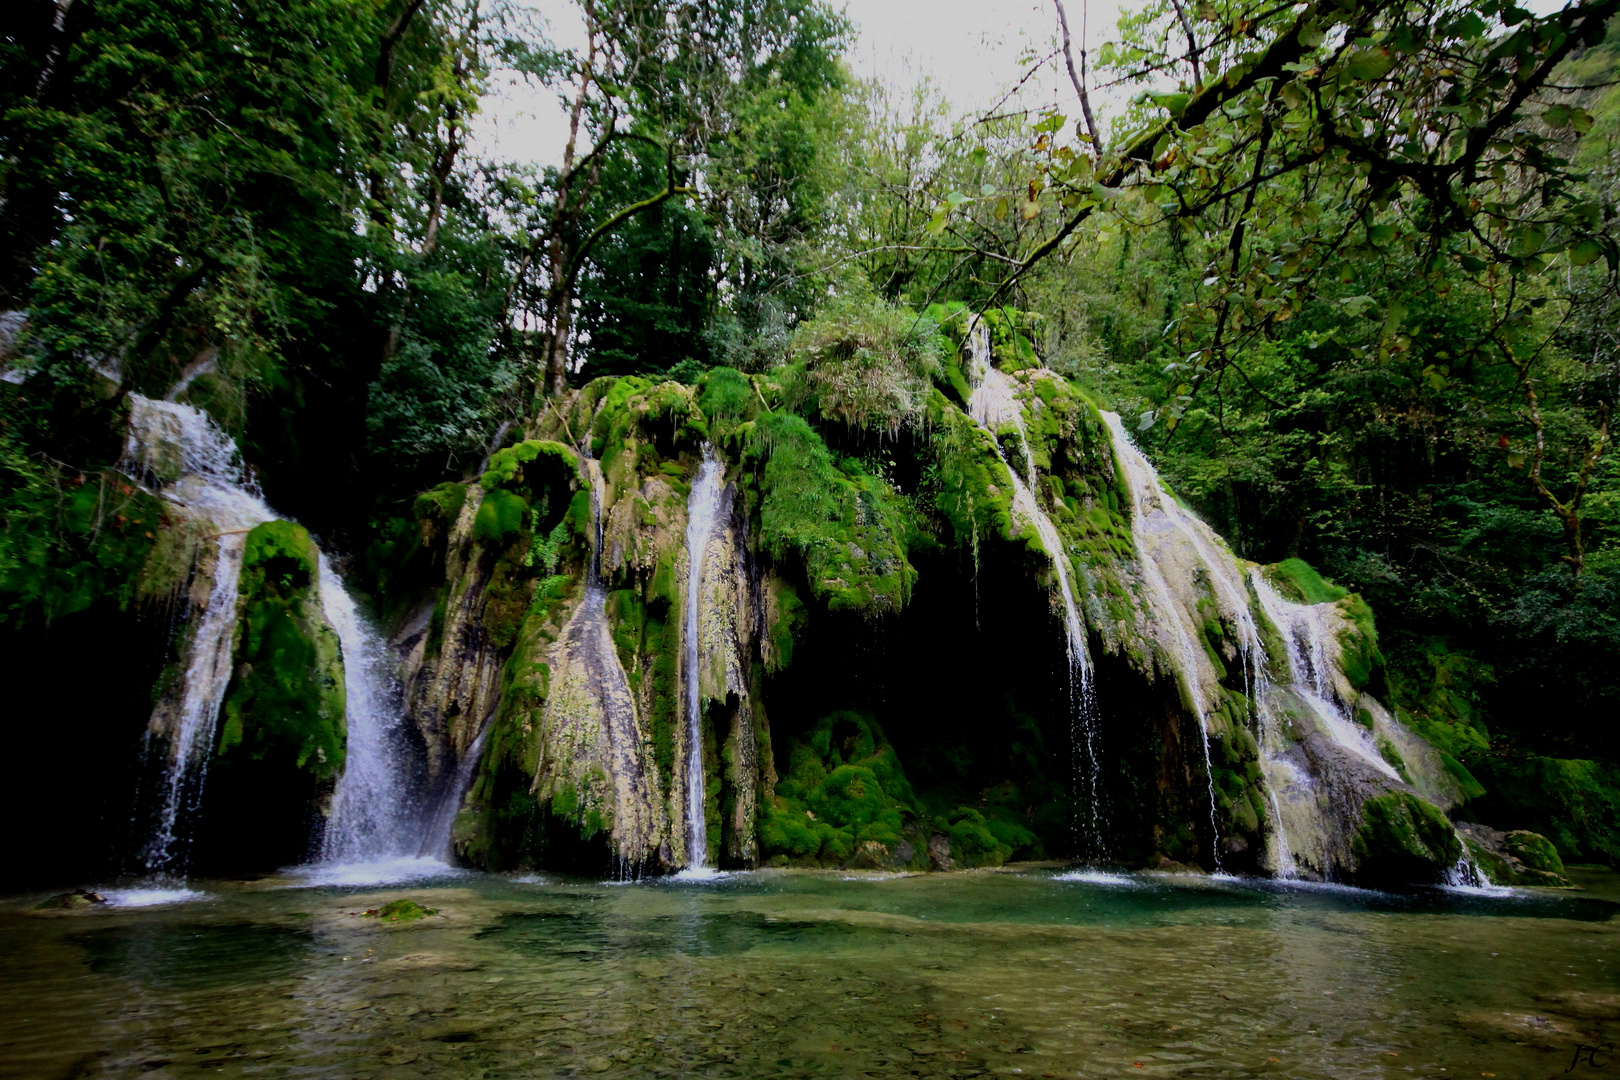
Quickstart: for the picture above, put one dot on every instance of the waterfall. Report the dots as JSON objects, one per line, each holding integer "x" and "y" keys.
{"x": 702, "y": 512}
{"x": 195, "y": 467}
{"x": 207, "y": 674}
{"x": 1153, "y": 511}
{"x": 1305, "y": 629}
{"x": 372, "y": 812}
{"x": 438, "y": 842}
{"x": 994, "y": 403}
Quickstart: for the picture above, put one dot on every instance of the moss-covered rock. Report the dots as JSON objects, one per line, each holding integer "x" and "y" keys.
{"x": 1403, "y": 839}
{"x": 1516, "y": 858}
{"x": 1573, "y": 803}
{"x": 400, "y": 911}
{"x": 285, "y": 702}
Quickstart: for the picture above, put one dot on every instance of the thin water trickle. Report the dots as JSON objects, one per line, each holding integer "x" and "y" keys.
{"x": 702, "y": 514}
{"x": 1305, "y": 639}
{"x": 993, "y": 403}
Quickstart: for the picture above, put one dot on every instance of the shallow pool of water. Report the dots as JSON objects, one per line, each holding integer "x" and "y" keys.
{"x": 1030, "y": 972}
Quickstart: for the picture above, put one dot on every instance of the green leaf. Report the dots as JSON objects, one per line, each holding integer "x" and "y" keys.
{"x": 987, "y": 190}
{"x": 956, "y": 198}
{"x": 1001, "y": 209}
{"x": 936, "y": 224}
{"x": 1312, "y": 34}
{"x": 1369, "y": 65}
{"x": 1175, "y": 104}
{"x": 1359, "y": 305}
{"x": 1585, "y": 251}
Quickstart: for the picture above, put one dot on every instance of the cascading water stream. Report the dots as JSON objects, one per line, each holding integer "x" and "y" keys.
{"x": 702, "y": 513}
{"x": 993, "y": 403}
{"x": 195, "y": 467}
{"x": 1305, "y": 640}
{"x": 1148, "y": 500}
{"x": 207, "y": 674}
{"x": 373, "y": 815}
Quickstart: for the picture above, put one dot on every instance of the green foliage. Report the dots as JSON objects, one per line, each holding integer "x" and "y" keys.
{"x": 1574, "y": 803}
{"x": 70, "y": 540}
{"x": 865, "y": 364}
{"x": 285, "y": 703}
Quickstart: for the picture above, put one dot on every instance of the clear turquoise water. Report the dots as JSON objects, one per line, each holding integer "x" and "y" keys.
{"x": 791, "y": 974}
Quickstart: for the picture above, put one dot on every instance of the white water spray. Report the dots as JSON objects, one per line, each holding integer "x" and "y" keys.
{"x": 702, "y": 513}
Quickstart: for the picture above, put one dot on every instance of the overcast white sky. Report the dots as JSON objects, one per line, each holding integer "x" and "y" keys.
{"x": 971, "y": 49}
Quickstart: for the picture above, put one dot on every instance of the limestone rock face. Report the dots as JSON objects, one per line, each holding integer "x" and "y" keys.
{"x": 451, "y": 667}
{"x": 559, "y": 636}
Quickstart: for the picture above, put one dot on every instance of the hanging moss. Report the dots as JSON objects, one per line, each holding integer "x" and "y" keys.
{"x": 849, "y": 527}
{"x": 500, "y": 515}
{"x": 285, "y": 703}
{"x": 727, "y": 397}
{"x": 510, "y": 467}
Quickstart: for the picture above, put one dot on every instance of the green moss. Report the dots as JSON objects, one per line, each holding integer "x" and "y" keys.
{"x": 400, "y": 911}
{"x": 1390, "y": 754}
{"x": 1359, "y": 657}
{"x": 1574, "y": 803}
{"x": 500, "y": 515}
{"x": 1299, "y": 581}
{"x": 850, "y": 528}
{"x": 786, "y": 618}
{"x": 844, "y": 788}
{"x": 442, "y": 503}
{"x": 1535, "y": 851}
{"x": 509, "y": 467}
{"x": 1402, "y": 838}
{"x": 285, "y": 703}
{"x": 727, "y": 397}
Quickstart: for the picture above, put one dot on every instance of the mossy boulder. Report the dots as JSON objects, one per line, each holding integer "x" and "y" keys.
{"x": 1520, "y": 857}
{"x": 285, "y": 702}
{"x": 400, "y": 911}
{"x": 1535, "y": 851}
{"x": 1403, "y": 839}
{"x": 844, "y": 791}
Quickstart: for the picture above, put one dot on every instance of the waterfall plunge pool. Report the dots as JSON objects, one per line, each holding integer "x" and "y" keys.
{"x": 1029, "y": 971}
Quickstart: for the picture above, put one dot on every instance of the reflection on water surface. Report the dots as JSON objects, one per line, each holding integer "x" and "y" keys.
{"x": 1028, "y": 973}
